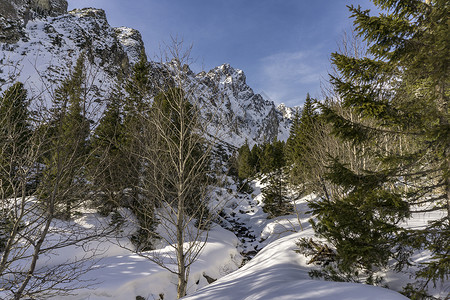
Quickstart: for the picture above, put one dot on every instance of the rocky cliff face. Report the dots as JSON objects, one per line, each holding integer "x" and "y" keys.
{"x": 40, "y": 41}
{"x": 50, "y": 43}
{"x": 247, "y": 115}
{"x": 15, "y": 14}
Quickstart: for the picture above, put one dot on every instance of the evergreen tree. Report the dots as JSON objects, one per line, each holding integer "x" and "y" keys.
{"x": 178, "y": 121}
{"x": 292, "y": 147}
{"x": 68, "y": 146}
{"x": 299, "y": 146}
{"x": 137, "y": 103}
{"x": 109, "y": 160}
{"x": 275, "y": 191}
{"x": 138, "y": 88}
{"x": 267, "y": 158}
{"x": 400, "y": 92}
{"x": 245, "y": 168}
{"x": 256, "y": 154}
{"x": 14, "y": 133}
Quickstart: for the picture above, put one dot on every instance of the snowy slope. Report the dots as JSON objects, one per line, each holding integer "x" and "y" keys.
{"x": 249, "y": 115}
{"x": 278, "y": 273}
{"x": 52, "y": 45}
{"x": 125, "y": 275}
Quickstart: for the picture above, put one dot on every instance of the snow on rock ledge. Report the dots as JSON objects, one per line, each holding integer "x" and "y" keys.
{"x": 131, "y": 41}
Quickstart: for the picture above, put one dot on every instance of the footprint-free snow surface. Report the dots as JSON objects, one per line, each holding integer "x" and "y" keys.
{"x": 272, "y": 269}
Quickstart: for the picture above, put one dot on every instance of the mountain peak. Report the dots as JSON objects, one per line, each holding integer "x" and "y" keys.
{"x": 96, "y": 13}
{"x": 51, "y": 44}
{"x": 227, "y": 75}
{"x": 288, "y": 112}
{"x": 131, "y": 40}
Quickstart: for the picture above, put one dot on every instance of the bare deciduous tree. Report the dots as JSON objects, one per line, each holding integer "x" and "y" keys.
{"x": 175, "y": 143}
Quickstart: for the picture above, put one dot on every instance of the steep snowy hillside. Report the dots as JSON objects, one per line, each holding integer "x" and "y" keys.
{"x": 41, "y": 41}
{"x": 51, "y": 45}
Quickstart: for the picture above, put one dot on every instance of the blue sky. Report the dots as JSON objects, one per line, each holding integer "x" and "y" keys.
{"x": 283, "y": 46}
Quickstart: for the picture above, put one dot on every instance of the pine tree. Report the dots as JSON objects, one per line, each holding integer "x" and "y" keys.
{"x": 14, "y": 132}
{"x": 400, "y": 92}
{"x": 137, "y": 102}
{"x": 256, "y": 154}
{"x": 108, "y": 159}
{"x": 138, "y": 88}
{"x": 292, "y": 148}
{"x": 267, "y": 158}
{"x": 275, "y": 192}
{"x": 178, "y": 122}
{"x": 299, "y": 146}
{"x": 68, "y": 146}
{"x": 245, "y": 168}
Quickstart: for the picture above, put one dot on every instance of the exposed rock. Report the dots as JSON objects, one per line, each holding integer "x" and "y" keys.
{"x": 288, "y": 112}
{"x": 131, "y": 41}
{"x": 209, "y": 279}
{"x": 53, "y": 44}
{"x": 50, "y": 8}
{"x": 248, "y": 115}
{"x": 15, "y": 14}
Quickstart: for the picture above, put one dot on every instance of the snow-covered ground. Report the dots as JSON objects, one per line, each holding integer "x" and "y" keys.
{"x": 275, "y": 272}
{"x": 126, "y": 275}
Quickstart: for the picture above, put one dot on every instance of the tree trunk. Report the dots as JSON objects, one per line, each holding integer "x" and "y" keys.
{"x": 37, "y": 248}
{"x": 181, "y": 287}
{"x": 443, "y": 122}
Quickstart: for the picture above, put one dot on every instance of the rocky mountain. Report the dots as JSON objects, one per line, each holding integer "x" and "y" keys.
{"x": 15, "y": 14}
{"x": 40, "y": 42}
{"x": 247, "y": 114}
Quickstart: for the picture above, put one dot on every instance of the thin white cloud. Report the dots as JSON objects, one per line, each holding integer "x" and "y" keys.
{"x": 288, "y": 76}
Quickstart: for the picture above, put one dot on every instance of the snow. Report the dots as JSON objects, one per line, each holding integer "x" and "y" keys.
{"x": 122, "y": 274}
{"x": 278, "y": 273}
{"x": 275, "y": 272}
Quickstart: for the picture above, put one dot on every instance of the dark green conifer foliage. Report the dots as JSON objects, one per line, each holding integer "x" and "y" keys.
{"x": 109, "y": 161}
{"x": 275, "y": 192}
{"x": 67, "y": 142}
{"x": 401, "y": 87}
{"x": 298, "y": 145}
{"x": 291, "y": 143}
{"x": 256, "y": 154}
{"x": 177, "y": 136}
{"x": 268, "y": 157}
{"x": 14, "y": 133}
{"x": 245, "y": 168}
{"x": 136, "y": 106}
{"x": 138, "y": 88}
{"x": 137, "y": 103}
